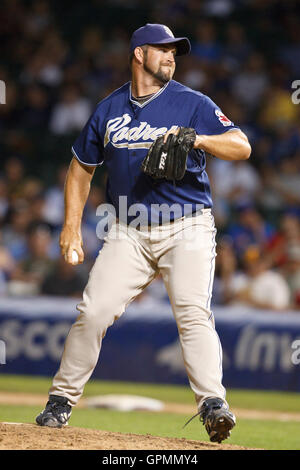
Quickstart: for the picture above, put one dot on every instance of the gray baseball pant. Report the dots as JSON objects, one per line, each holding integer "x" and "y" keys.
{"x": 184, "y": 253}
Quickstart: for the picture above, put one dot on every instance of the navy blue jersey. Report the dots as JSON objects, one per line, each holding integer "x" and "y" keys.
{"x": 121, "y": 130}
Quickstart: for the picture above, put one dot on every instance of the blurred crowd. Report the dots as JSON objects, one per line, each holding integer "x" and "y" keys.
{"x": 59, "y": 59}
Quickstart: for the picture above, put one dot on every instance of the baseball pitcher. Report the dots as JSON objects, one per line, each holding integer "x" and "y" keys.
{"x": 152, "y": 134}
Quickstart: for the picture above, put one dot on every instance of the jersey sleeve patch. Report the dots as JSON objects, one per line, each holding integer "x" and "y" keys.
{"x": 223, "y": 119}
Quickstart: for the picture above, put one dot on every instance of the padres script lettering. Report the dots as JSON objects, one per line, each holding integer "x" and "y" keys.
{"x": 144, "y": 132}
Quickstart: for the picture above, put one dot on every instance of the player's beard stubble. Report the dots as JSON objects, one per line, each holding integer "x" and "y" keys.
{"x": 160, "y": 75}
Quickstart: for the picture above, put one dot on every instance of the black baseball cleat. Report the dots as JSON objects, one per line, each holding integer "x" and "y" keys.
{"x": 217, "y": 419}
{"x": 56, "y": 414}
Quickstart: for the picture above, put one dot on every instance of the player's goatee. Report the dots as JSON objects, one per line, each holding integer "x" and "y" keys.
{"x": 161, "y": 76}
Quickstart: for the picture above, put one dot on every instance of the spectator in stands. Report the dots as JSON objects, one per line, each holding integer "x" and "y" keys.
{"x": 36, "y": 110}
{"x": 249, "y": 229}
{"x": 7, "y": 265}
{"x": 32, "y": 70}
{"x": 277, "y": 109}
{"x": 91, "y": 42}
{"x": 37, "y": 204}
{"x": 71, "y": 112}
{"x": 233, "y": 184}
{"x": 14, "y": 175}
{"x": 291, "y": 271}
{"x": 218, "y": 8}
{"x": 287, "y": 238}
{"x": 192, "y": 73}
{"x": 38, "y": 19}
{"x": 54, "y": 52}
{"x": 53, "y": 211}
{"x": 236, "y": 49}
{"x": 290, "y": 52}
{"x": 63, "y": 280}
{"x": 33, "y": 187}
{"x": 261, "y": 287}
{"x": 44, "y": 65}
{"x": 229, "y": 278}
{"x": 285, "y": 183}
{"x": 206, "y": 46}
{"x": 30, "y": 272}
{"x": 4, "y": 204}
{"x": 14, "y": 232}
{"x": 251, "y": 83}
{"x": 286, "y": 143}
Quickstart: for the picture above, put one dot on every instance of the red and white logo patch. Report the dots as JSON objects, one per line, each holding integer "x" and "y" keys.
{"x": 223, "y": 119}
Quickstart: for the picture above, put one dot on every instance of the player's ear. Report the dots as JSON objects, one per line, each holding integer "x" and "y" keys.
{"x": 139, "y": 54}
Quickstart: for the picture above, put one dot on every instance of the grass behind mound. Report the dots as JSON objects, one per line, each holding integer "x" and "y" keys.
{"x": 249, "y": 399}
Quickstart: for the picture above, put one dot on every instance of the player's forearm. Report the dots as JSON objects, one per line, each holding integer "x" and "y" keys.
{"x": 77, "y": 188}
{"x": 233, "y": 145}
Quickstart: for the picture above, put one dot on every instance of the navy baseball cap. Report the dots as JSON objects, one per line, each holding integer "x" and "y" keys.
{"x": 158, "y": 34}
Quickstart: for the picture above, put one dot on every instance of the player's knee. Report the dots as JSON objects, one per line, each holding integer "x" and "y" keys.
{"x": 192, "y": 315}
{"x": 97, "y": 315}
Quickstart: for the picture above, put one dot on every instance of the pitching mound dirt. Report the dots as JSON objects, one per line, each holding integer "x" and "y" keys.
{"x": 17, "y": 436}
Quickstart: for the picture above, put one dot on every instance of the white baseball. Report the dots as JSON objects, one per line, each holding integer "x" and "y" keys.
{"x": 74, "y": 257}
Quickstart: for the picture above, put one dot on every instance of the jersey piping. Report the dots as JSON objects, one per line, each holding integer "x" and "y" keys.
{"x": 150, "y": 99}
